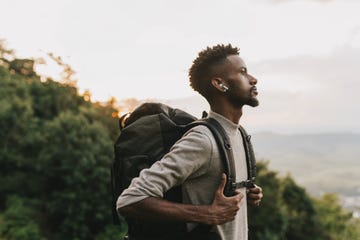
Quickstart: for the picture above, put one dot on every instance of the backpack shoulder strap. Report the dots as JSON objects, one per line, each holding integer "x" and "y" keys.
{"x": 250, "y": 156}
{"x": 226, "y": 154}
{"x": 227, "y": 157}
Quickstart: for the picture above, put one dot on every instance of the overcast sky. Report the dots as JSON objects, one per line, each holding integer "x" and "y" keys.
{"x": 305, "y": 53}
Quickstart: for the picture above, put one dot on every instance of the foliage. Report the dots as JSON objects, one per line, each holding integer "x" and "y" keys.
{"x": 55, "y": 152}
{"x": 289, "y": 212}
{"x": 17, "y": 222}
{"x": 268, "y": 221}
{"x": 334, "y": 221}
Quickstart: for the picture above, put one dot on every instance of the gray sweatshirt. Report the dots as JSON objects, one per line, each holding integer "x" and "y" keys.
{"x": 194, "y": 161}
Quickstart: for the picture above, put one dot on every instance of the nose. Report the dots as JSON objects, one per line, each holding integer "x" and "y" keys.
{"x": 252, "y": 80}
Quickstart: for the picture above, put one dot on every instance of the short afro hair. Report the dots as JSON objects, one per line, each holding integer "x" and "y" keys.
{"x": 202, "y": 70}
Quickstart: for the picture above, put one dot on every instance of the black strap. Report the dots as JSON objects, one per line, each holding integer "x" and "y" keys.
{"x": 226, "y": 154}
{"x": 227, "y": 157}
{"x": 250, "y": 156}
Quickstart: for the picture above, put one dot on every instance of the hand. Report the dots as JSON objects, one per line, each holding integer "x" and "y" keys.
{"x": 254, "y": 195}
{"x": 224, "y": 209}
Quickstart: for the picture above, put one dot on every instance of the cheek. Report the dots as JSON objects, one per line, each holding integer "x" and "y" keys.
{"x": 237, "y": 82}
{"x": 240, "y": 85}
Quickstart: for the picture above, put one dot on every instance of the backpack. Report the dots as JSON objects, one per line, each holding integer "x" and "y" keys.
{"x": 146, "y": 135}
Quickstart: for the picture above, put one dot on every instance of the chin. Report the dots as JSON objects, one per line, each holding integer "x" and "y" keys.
{"x": 253, "y": 102}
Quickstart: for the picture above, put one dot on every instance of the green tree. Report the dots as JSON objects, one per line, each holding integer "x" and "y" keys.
{"x": 300, "y": 211}
{"x": 17, "y": 222}
{"x": 15, "y": 118}
{"x": 335, "y": 222}
{"x": 268, "y": 221}
{"x": 76, "y": 173}
{"x": 56, "y": 150}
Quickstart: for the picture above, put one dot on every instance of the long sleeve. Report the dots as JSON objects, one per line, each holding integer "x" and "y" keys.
{"x": 189, "y": 157}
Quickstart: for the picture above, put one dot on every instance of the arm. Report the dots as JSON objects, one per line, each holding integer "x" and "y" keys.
{"x": 222, "y": 209}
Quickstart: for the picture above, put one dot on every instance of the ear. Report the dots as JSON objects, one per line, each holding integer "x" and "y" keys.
{"x": 215, "y": 82}
{"x": 219, "y": 84}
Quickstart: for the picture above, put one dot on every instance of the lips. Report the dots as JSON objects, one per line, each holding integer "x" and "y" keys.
{"x": 254, "y": 91}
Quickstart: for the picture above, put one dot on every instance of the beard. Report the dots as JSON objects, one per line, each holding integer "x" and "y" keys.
{"x": 239, "y": 101}
{"x": 240, "y": 97}
{"x": 252, "y": 102}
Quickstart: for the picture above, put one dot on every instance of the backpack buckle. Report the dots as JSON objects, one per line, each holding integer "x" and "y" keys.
{"x": 246, "y": 184}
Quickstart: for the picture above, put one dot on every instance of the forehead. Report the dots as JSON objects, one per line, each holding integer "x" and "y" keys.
{"x": 236, "y": 61}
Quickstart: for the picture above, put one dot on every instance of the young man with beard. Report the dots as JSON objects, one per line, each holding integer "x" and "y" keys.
{"x": 222, "y": 78}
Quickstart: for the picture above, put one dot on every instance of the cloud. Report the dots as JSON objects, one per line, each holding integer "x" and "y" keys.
{"x": 337, "y": 69}
{"x": 315, "y": 93}
{"x": 354, "y": 37}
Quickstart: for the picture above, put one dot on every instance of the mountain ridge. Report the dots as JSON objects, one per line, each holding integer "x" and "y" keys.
{"x": 326, "y": 162}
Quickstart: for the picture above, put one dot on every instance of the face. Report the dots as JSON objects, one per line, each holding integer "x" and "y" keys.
{"x": 242, "y": 86}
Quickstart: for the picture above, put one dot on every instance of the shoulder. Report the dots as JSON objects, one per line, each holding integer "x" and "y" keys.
{"x": 200, "y": 136}
{"x": 199, "y": 131}
{"x": 195, "y": 149}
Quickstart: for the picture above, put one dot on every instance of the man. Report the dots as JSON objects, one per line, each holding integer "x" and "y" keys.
{"x": 221, "y": 77}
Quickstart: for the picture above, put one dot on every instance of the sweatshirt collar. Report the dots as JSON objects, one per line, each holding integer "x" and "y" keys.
{"x": 228, "y": 125}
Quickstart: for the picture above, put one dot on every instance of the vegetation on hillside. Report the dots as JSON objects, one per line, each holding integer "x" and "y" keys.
{"x": 55, "y": 151}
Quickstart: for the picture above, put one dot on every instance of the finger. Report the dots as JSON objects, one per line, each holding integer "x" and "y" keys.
{"x": 222, "y": 183}
{"x": 254, "y": 202}
{"x": 254, "y": 190}
{"x": 259, "y": 188}
{"x": 257, "y": 203}
{"x": 254, "y": 196}
{"x": 238, "y": 193}
{"x": 237, "y": 198}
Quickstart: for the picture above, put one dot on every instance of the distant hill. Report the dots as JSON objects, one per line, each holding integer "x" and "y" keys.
{"x": 319, "y": 162}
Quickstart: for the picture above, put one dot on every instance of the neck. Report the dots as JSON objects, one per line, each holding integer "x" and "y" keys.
{"x": 229, "y": 112}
